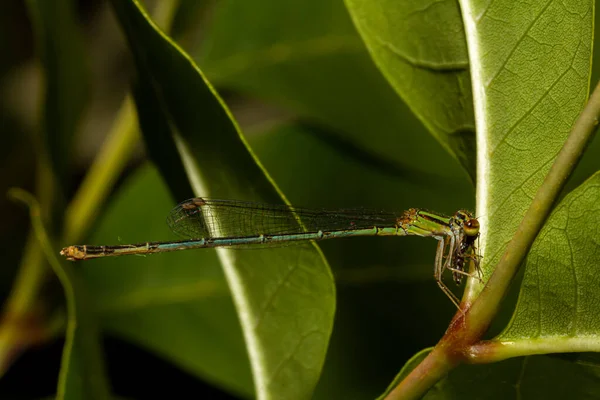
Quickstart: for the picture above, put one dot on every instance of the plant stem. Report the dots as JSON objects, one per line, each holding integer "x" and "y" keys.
{"x": 437, "y": 364}
{"x": 487, "y": 351}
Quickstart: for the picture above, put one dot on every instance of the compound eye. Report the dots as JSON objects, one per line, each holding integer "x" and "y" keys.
{"x": 471, "y": 227}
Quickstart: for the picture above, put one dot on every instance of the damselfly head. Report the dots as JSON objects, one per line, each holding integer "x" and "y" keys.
{"x": 471, "y": 227}
{"x": 468, "y": 222}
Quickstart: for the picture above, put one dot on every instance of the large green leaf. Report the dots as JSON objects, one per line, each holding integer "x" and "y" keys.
{"x": 556, "y": 311}
{"x": 284, "y": 297}
{"x": 420, "y": 48}
{"x": 530, "y": 66}
{"x": 173, "y": 306}
{"x": 389, "y": 306}
{"x": 533, "y": 377}
{"x": 307, "y": 57}
{"x": 588, "y": 164}
{"x": 177, "y": 305}
{"x": 315, "y": 174}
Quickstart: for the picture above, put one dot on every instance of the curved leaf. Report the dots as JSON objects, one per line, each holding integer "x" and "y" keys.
{"x": 177, "y": 305}
{"x": 532, "y": 377}
{"x": 555, "y": 313}
{"x": 307, "y": 57}
{"x": 384, "y": 285}
{"x": 315, "y": 173}
{"x": 530, "y": 65}
{"x": 588, "y": 164}
{"x": 561, "y": 287}
{"x": 284, "y": 297}
{"x": 420, "y": 48}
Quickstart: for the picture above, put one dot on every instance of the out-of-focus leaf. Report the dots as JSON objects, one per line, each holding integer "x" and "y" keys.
{"x": 82, "y": 374}
{"x": 64, "y": 94}
{"x": 60, "y": 45}
{"x": 188, "y": 15}
{"x": 307, "y": 56}
{"x": 420, "y": 48}
{"x": 284, "y": 297}
{"x": 530, "y": 65}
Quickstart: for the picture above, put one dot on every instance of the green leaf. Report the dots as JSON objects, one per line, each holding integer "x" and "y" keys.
{"x": 284, "y": 297}
{"x": 532, "y": 377}
{"x": 521, "y": 378}
{"x": 160, "y": 146}
{"x": 560, "y": 290}
{"x": 61, "y": 51}
{"x": 177, "y": 305}
{"x": 530, "y": 65}
{"x": 382, "y": 283}
{"x": 588, "y": 164}
{"x": 420, "y": 48}
{"x": 306, "y": 57}
{"x": 314, "y": 173}
{"x": 172, "y": 305}
{"x": 554, "y": 314}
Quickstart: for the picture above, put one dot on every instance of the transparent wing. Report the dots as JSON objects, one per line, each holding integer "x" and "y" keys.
{"x": 213, "y": 218}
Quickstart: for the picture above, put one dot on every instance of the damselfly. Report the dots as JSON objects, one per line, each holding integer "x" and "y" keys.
{"x": 209, "y": 223}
